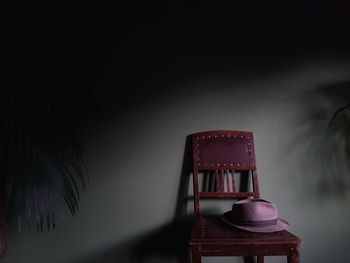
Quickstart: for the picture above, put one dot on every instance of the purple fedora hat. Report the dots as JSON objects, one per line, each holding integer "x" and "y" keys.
{"x": 255, "y": 215}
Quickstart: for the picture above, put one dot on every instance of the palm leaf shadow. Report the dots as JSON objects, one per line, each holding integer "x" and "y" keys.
{"x": 325, "y": 140}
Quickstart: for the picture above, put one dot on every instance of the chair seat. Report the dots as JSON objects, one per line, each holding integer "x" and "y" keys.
{"x": 213, "y": 237}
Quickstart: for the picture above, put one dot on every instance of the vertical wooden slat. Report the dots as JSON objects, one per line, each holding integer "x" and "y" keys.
{"x": 233, "y": 180}
{"x": 244, "y": 182}
{"x": 217, "y": 181}
{"x": 227, "y": 174}
{"x": 211, "y": 182}
{"x": 222, "y": 181}
{"x": 255, "y": 183}
{"x": 205, "y": 182}
{"x": 214, "y": 181}
{"x": 260, "y": 259}
{"x": 196, "y": 192}
{"x": 208, "y": 181}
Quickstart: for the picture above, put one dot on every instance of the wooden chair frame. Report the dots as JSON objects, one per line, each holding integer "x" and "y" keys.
{"x": 223, "y": 153}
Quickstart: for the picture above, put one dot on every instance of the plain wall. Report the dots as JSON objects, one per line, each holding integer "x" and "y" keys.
{"x": 135, "y": 161}
{"x": 158, "y": 82}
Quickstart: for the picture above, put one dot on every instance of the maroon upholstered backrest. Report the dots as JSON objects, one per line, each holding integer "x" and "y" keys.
{"x": 218, "y": 155}
{"x": 223, "y": 149}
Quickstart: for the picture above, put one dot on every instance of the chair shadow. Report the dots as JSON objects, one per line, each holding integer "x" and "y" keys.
{"x": 164, "y": 244}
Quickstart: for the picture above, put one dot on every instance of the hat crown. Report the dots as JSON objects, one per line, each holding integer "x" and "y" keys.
{"x": 254, "y": 210}
{"x": 255, "y": 215}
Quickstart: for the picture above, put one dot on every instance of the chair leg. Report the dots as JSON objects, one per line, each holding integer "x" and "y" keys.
{"x": 260, "y": 259}
{"x": 196, "y": 255}
{"x": 295, "y": 257}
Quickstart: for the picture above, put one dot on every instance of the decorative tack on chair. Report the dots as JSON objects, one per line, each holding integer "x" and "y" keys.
{"x": 211, "y": 236}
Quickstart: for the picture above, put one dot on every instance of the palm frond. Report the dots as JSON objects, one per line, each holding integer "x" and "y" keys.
{"x": 41, "y": 161}
{"x": 336, "y": 113}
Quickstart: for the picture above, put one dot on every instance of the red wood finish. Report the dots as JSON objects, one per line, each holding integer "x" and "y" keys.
{"x": 226, "y": 195}
{"x": 224, "y": 153}
{"x": 217, "y": 155}
{"x": 260, "y": 259}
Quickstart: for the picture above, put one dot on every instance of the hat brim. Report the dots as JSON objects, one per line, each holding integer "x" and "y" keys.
{"x": 279, "y": 226}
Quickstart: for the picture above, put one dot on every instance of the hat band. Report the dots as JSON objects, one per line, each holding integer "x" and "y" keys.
{"x": 256, "y": 223}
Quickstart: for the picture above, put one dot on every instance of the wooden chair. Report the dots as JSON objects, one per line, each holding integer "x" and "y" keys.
{"x": 217, "y": 157}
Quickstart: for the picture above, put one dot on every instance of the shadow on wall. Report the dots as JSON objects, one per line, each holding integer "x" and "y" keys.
{"x": 167, "y": 243}
{"x": 171, "y": 240}
{"x": 325, "y": 146}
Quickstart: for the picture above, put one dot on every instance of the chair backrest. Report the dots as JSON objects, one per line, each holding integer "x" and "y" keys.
{"x": 219, "y": 155}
